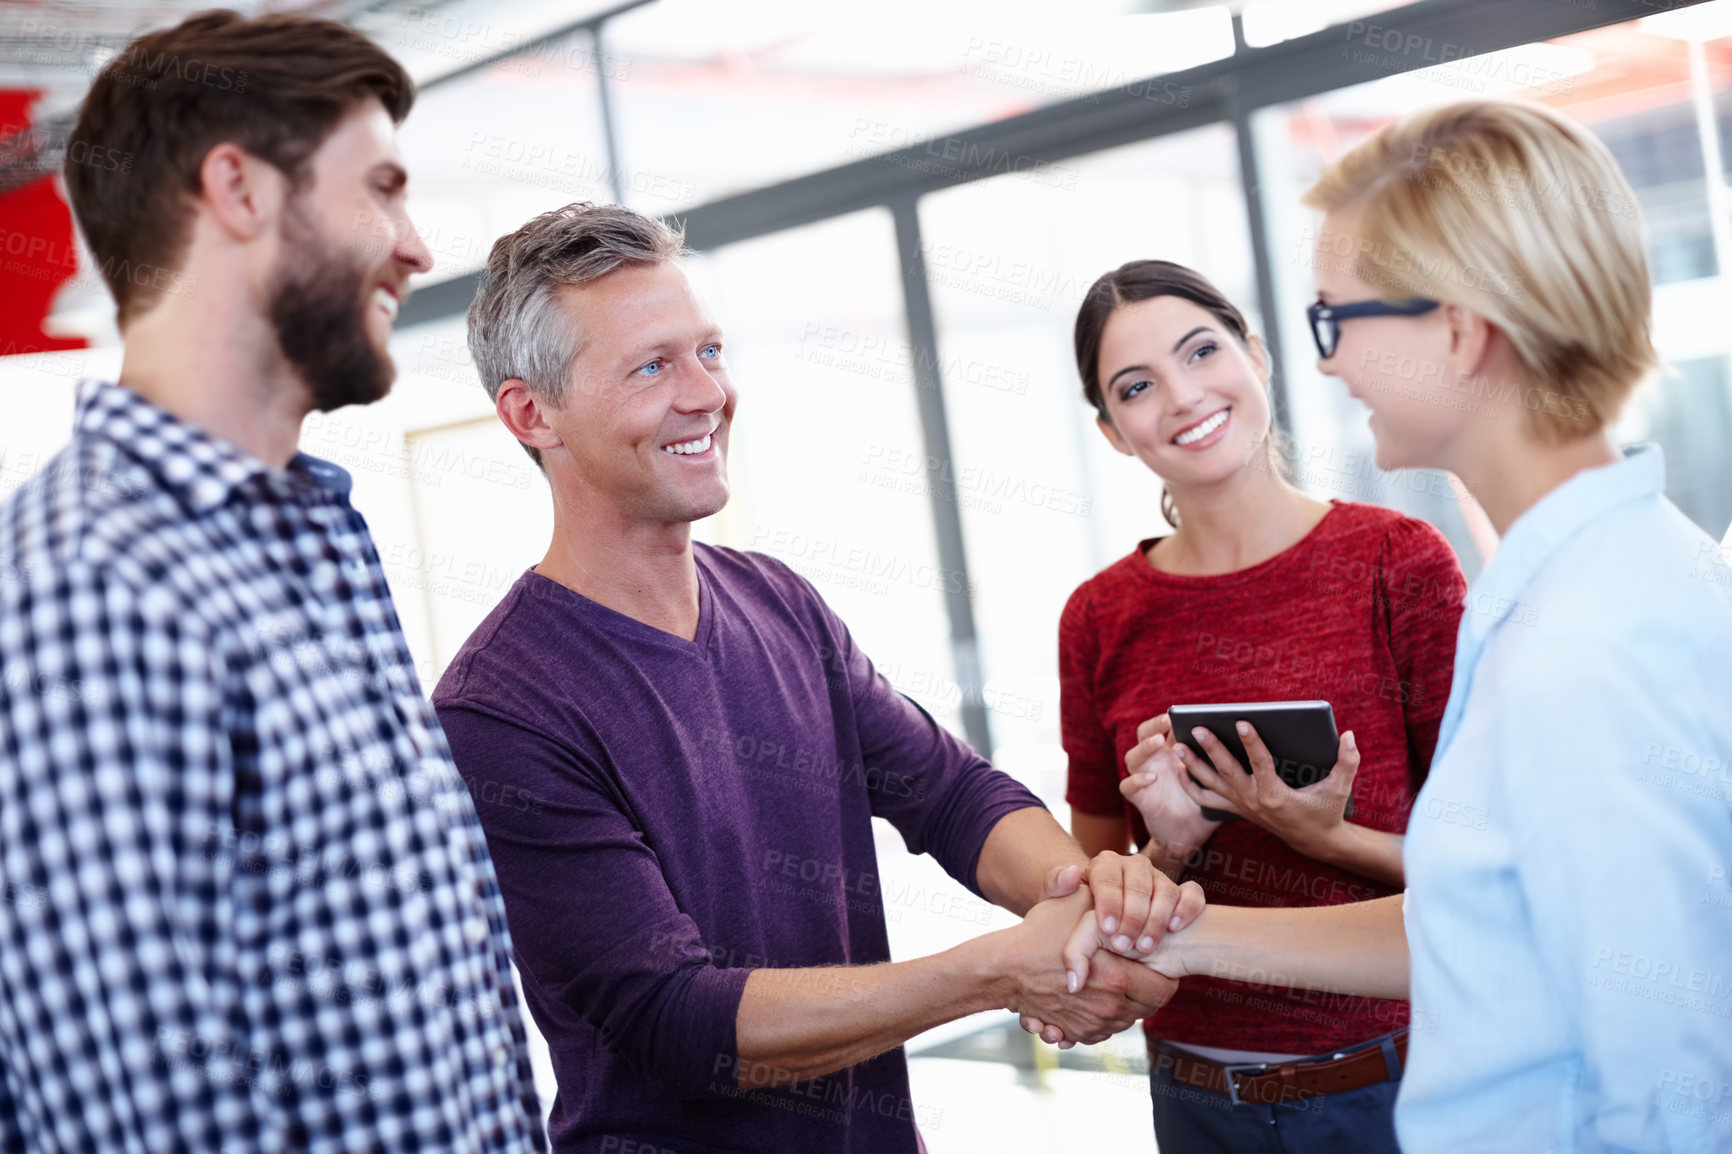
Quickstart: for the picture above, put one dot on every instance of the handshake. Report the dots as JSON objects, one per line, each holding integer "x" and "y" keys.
{"x": 1092, "y": 957}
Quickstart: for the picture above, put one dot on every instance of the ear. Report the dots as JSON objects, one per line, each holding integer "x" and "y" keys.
{"x": 1259, "y": 353}
{"x": 1470, "y": 338}
{"x": 521, "y": 412}
{"x": 1113, "y": 436}
{"x": 243, "y": 194}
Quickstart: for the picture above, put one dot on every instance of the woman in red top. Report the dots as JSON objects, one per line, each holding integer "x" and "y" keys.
{"x": 1260, "y": 593}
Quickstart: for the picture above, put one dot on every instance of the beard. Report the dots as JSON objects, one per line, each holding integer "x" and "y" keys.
{"x": 317, "y": 304}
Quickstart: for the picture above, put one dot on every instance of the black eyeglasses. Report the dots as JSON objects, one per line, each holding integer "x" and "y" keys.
{"x": 1326, "y": 318}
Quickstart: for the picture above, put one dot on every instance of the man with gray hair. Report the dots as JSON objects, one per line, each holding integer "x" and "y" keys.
{"x": 698, "y": 749}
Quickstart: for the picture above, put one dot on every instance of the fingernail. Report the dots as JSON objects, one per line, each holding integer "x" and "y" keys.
{"x": 1122, "y": 943}
{"x": 1109, "y": 924}
{"x": 1070, "y": 981}
{"x": 1350, "y": 742}
{"x": 1174, "y": 924}
{"x": 1199, "y": 733}
{"x": 1145, "y": 944}
{"x": 1242, "y": 727}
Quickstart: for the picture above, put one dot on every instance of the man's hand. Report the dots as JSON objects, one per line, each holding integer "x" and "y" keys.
{"x": 1088, "y": 960}
{"x": 1062, "y": 1007}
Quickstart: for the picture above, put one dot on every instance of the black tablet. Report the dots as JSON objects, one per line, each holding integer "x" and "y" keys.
{"x": 1300, "y": 735}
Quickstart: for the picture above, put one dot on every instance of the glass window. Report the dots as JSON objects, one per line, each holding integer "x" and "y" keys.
{"x": 718, "y": 98}
{"x": 827, "y": 459}
{"x": 1631, "y": 83}
{"x": 1046, "y": 502}
{"x": 1689, "y": 413}
{"x": 489, "y": 150}
{"x": 36, "y": 415}
{"x": 829, "y": 475}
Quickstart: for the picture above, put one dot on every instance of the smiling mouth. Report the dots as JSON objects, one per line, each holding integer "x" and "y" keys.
{"x": 1202, "y": 428}
{"x": 690, "y": 448}
{"x": 386, "y": 301}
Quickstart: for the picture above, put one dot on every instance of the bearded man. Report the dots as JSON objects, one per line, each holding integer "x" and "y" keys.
{"x": 248, "y": 905}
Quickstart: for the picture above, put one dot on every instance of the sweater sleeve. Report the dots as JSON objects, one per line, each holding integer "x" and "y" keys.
{"x": 593, "y": 923}
{"x": 1421, "y": 587}
{"x": 1092, "y": 781}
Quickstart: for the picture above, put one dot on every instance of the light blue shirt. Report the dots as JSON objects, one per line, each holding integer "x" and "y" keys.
{"x": 1568, "y": 906}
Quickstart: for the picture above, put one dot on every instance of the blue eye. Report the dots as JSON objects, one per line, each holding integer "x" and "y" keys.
{"x": 653, "y": 369}
{"x": 711, "y": 350}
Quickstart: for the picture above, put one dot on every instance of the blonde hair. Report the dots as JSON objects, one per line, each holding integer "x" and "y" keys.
{"x": 1521, "y": 215}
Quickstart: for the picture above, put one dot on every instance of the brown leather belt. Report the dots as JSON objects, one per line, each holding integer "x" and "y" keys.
{"x": 1263, "y": 1084}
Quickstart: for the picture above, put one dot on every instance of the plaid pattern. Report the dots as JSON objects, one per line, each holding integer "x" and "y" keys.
{"x": 245, "y": 903}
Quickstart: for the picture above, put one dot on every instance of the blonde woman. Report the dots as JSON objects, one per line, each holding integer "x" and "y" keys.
{"x": 1571, "y": 969}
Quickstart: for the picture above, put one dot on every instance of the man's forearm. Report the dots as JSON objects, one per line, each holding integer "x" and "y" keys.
{"x": 1020, "y": 851}
{"x": 1360, "y": 948}
{"x": 794, "y": 1025}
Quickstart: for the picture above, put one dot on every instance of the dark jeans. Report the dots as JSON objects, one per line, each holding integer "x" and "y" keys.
{"x": 1189, "y": 1120}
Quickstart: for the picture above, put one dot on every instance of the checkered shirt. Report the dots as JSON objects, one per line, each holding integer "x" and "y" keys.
{"x": 245, "y": 903}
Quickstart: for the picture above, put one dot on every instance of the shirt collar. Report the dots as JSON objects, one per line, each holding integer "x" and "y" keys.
{"x": 1553, "y": 519}
{"x": 200, "y": 470}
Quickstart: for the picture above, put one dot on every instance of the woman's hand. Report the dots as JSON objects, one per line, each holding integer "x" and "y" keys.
{"x": 1177, "y": 827}
{"x": 1311, "y": 820}
{"x": 1089, "y": 966}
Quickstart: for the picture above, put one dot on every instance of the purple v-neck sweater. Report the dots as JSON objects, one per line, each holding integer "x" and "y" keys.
{"x": 666, "y": 815}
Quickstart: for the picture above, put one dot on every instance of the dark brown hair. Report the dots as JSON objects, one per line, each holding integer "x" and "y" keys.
{"x": 276, "y": 86}
{"x": 1144, "y": 280}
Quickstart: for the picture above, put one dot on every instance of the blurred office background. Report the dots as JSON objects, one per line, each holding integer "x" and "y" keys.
{"x": 897, "y": 208}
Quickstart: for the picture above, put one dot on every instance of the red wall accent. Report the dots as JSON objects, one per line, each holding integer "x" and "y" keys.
{"x": 37, "y": 253}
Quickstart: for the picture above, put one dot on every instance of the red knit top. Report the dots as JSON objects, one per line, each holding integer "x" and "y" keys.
{"x": 1362, "y": 613}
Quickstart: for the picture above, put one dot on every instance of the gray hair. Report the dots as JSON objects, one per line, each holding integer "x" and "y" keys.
{"x": 516, "y": 326}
